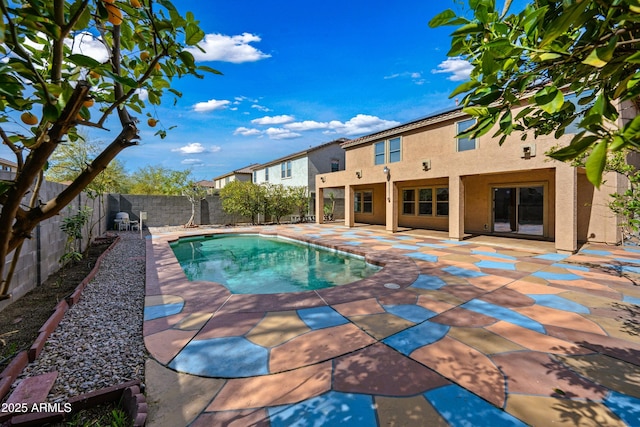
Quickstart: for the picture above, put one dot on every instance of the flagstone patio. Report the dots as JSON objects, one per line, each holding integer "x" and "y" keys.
{"x": 474, "y": 334}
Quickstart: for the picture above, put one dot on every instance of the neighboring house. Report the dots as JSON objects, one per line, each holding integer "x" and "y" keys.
{"x": 300, "y": 169}
{"x": 243, "y": 174}
{"x": 419, "y": 175}
{"x": 208, "y": 185}
{"x": 7, "y": 166}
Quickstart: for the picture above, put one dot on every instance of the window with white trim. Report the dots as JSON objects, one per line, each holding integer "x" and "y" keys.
{"x": 266, "y": 174}
{"x": 388, "y": 151}
{"x": 285, "y": 169}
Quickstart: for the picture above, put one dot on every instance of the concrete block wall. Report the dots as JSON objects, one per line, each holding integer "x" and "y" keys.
{"x": 169, "y": 210}
{"x": 40, "y": 254}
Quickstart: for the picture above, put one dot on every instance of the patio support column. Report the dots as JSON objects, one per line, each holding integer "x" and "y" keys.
{"x": 391, "y": 220}
{"x": 456, "y": 208}
{"x": 566, "y": 208}
{"x": 319, "y": 205}
{"x": 348, "y": 206}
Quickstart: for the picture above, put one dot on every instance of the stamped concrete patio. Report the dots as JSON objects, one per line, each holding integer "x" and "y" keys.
{"x": 474, "y": 335}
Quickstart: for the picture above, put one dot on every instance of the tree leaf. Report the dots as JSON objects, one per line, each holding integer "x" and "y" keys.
{"x": 443, "y": 18}
{"x": 84, "y": 61}
{"x": 193, "y": 35}
{"x": 550, "y": 99}
{"x": 596, "y": 162}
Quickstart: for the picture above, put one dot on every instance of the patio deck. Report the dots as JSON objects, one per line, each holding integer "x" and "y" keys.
{"x": 476, "y": 334}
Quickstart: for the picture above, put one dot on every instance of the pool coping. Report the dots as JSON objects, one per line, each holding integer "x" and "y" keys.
{"x": 398, "y": 270}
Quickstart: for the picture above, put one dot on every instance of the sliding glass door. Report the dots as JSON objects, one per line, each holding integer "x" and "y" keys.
{"x": 519, "y": 210}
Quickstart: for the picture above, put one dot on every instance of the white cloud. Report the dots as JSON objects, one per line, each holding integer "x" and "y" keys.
{"x": 306, "y": 125}
{"x": 192, "y": 162}
{"x": 361, "y": 124}
{"x": 143, "y": 93}
{"x": 215, "y": 149}
{"x": 246, "y": 131}
{"x": 457, "y": 67}
{"x": 415, "y": 76}
{"x": 358, "y": 125}
{"x": 260, "y": 108}
{"x": 279, "y": 133}
{"x": 235, "y": 49}
{"x": 273, "y": 120}
{"x": 211, "y": 105}
{"x": 87, "y": 44}
{"x": 193, "y": 148}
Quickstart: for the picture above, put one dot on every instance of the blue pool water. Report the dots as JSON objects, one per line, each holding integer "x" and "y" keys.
{"x": 252, "y": 264}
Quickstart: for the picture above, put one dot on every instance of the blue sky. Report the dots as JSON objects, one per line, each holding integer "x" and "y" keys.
{"x": 295, "y": 75}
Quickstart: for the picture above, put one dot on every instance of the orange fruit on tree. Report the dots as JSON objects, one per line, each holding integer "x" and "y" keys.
{"x": 109, "y": 1}
{"x": 28, "y": 118}
{"x": 136, "y": 4}
{"x": 88, "y": 102}
{"x": 157, "y": 66}
{"x": 144, "y": 56}
{"x": 94, "y": 75}
{"x": 152, "y": 122}
{"x": 115, "y": 15}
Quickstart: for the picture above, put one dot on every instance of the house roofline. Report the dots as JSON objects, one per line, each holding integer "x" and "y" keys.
{"x": 247, "y": 170}
{"x": 299, "y": 153}
{"x": 436, "y": 117}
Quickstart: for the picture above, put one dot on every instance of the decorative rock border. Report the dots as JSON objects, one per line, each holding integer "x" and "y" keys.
{"x": 128, "y": 394}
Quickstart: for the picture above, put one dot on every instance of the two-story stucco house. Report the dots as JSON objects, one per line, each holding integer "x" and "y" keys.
{"x": 301, "y": 168}
{"x": 242, "y": 174}
{"x": 419, "y": 175}
{"x": 7, "y": 165}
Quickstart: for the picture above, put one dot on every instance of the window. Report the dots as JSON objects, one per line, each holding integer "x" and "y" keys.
{"x": 285, "y": 169}
{"x": 420, "y": 201}
{"x": 408, "y": 202}
{"x": 335, "y": 165}
{"x": 363, "y": 202}
{"x": 394, "y": 150}
{"x": 379, "y": 153}
{"x": 442, "y": 201}
{"x": 255, "y": 176}
{"x": 266, "y": 174}
{"x": 227, "y": 179}
{"x": 388, "y": 151}
{"x": 425, "y": 201}
{"x": 465, "y": 144}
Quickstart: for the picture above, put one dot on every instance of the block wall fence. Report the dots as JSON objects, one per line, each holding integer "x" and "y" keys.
{"x": 40, "y": 255}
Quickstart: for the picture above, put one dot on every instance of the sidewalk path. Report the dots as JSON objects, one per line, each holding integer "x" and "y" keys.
{"x": 473, "y": 335}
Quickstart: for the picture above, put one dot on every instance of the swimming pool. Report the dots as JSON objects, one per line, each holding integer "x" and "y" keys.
{"x": 254, "y": 264}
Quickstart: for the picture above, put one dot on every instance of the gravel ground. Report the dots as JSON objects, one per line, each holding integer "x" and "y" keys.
{"x": 99, "y": 341}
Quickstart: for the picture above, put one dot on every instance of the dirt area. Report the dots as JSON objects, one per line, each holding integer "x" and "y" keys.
{"x": 20, "y": 321}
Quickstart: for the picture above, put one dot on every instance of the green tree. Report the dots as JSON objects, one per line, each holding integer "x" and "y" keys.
{"x": 243, "y": 198}
{"x": 300, "y": 200}
{"x": 158, "y": 180}
{"x": 589, "y": 49}
{"x": 70, "y": 159}
{"x": 280, "y": 200}
{"x": 49, "y": 84}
